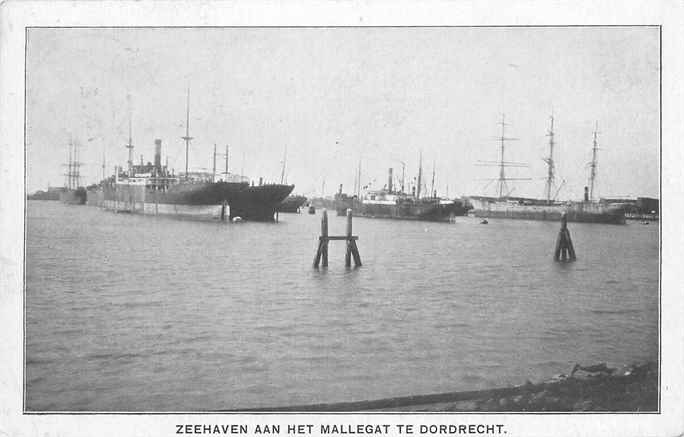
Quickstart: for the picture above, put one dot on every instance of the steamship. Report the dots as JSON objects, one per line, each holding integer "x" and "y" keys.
{"x": 153, "y": 188}
{"x": 396, "y": 204}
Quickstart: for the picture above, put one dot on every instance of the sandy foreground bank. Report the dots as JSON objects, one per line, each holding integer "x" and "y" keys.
{"x": 631, "y": 388}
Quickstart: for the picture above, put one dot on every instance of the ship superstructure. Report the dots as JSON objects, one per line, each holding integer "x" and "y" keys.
{"x": 153, "y": 188}
{"x": 390, "y": 202}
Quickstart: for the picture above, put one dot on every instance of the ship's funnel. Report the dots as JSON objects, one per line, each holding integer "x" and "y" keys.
{"x": 586, "y": 194}
{"x": 389, "y": 181}
{"x": 157, "y": 153}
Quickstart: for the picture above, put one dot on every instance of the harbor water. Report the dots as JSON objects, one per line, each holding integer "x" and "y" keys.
{"x": 137, "y": 313}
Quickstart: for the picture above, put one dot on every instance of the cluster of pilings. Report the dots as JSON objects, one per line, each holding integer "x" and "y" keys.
{"x": 564, "y": 250}
{"x": 322, "y": 251}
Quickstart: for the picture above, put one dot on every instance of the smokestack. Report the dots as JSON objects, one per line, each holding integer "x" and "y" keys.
{"x": 586, "y": 194}
{"x": 389, "y": 182}
{"x": 157, "y": 153}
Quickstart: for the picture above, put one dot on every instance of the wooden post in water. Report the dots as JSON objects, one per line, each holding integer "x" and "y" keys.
{"x": 564, "y": 248}
{"x": 347, "y": 256}
{"x": 322, "y": 251}
{"x": 324, "y": 238}
{"x": 223, "y": 211}
{"x": 355, "y": 252}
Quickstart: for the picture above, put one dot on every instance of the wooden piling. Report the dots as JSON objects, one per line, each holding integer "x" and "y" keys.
{"x": 324, "y": 238}
{"x": 347, "y": 256}
{"x": 223, "y": 211}
{"x": 355, "y": 253}
{"x": 564, "y": 249}
{"x": 322, "y": 251}
{"x": 321, "y": 256}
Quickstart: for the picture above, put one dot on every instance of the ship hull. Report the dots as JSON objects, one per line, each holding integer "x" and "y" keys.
{"x": 73, "y": 197}
{"x": 292, "y": 204}
{"x": 435, "y": 211}
{"x": 583, "y": 212}
{"x": 218, "y": 200}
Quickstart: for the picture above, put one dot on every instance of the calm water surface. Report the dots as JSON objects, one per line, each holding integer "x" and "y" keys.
{"x": 132, "y": 313}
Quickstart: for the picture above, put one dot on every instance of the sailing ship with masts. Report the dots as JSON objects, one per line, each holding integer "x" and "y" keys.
{"x": 154, "y": 188}
{"x": 394, "y": 202}
{"x": 505, "y": 206}
{"x": 73, "y": 193}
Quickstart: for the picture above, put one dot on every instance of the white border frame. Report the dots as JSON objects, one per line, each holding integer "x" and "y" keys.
{"x": 15, "y": 16}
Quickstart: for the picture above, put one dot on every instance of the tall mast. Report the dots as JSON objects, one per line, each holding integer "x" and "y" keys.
{"x": 129, "y": 146}
{"x": 501, "y": 164}
{"x": 502, "y": 186}
{"x": 77, "y": 165}
{"x": 420, "y": 174}
{"x": 69, "y": 174}
{"x": 282, "y": 172}
{"x": 593, "y": 164}
{"x": 502, "y": 176}
{"x": 226, "y": 172}
{"x": 358, "y": 178}
{"x": 550, "y": 164}
{"x": 104, "y": 164}
{"x": 403, "y": 174}
{"x": 187, "y": 136}
{"x": 432, "y": 186}
{"x": 72, "y": 152}
{"x": 213, "y": 174}
{"x": 356, "y": 186}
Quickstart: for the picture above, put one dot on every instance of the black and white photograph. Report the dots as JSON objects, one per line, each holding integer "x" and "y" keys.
{"x": 342, "y": 219}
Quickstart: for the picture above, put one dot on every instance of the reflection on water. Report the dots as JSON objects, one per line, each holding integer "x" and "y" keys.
{"x": 132, "y": 313}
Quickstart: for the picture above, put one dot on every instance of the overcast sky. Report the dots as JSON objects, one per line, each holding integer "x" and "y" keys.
{"x": 334, "y": 96}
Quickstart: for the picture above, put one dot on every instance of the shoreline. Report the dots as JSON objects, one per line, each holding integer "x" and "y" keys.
{"x": 595, "y": 388}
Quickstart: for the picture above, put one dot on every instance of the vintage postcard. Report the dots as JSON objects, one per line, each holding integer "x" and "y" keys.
{"x": 341, "y": 219}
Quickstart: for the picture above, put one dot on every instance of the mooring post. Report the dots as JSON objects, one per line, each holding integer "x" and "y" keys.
{"x": 223, "y": 211}
{"x": 564, "y": 249}
{"x": 322, "y": 251}
{"x": 347, "y": 256}
{"x": 324, "y": 238}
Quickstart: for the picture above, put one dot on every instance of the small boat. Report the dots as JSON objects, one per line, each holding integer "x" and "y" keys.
{"x": 484, "y": 222}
